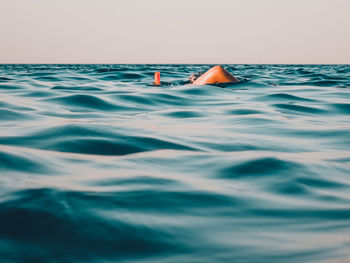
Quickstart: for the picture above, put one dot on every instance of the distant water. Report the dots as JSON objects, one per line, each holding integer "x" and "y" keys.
{"x": 97, "y": 165}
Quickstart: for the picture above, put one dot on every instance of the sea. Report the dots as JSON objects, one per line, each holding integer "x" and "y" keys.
{"x": 99, "y": 165}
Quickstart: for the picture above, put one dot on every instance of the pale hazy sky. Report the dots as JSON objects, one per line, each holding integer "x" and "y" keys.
{"x": 176, "y": 31}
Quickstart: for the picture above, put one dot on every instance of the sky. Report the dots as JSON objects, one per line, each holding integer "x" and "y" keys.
{"x": 175, "y": 31}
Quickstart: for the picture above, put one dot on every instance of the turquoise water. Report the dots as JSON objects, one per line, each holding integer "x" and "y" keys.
{"x": 97, "y": 165}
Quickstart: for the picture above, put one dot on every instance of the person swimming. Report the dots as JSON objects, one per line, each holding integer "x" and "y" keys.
{"x": 215, "y": 75}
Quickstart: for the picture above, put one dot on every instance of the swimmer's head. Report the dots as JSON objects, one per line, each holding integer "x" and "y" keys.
{"x": 195, "y": 76}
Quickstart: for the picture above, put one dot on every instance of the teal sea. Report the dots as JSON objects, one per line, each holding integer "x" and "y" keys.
{"x": 98, "y": 165}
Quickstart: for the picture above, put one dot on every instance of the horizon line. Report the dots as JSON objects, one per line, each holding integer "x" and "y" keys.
{"x": 36, "y": 63}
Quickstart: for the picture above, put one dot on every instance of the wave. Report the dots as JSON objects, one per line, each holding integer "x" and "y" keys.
{"x": 12, "y": 162}
{"x": 285, "y": 96}
{"x": 11, "y": 115}
{"x": 76, "y": 88}
{"x": 78, "y": 139}
{"x": 85, "y": 101}
{"x": 300, "y": 108}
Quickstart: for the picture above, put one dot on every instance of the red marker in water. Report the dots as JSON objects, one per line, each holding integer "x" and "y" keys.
{"x": 157, "y": 78}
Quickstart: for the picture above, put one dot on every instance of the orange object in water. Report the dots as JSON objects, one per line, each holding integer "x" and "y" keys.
{"x": 157, "y": 78}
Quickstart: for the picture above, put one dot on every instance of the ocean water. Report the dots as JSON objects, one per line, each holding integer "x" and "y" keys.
{"x": 98, "y": 165}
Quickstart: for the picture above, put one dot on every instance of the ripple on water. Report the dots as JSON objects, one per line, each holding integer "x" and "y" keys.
{"x": 4, "y": 79}
{"x": 77, "y": 226}
{"x": 284, "y": 96}
{"x": 267, "y": 166}
{"x": 85, "y": 101}
{"x": 341, "y": 107}
{"x": 300, "y": 108}
{"x": 183, "y": 114}
{"x": 10, "y": 87}
{"x": 244, "y": 111}
{"x": 77, "y": 88}
{"x": 13, "y": 162}
{"x": 11, "y": 115}
{"x": 76, "y": 139}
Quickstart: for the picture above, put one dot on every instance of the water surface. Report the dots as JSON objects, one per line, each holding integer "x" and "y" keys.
{"x": 98, "y": 165}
